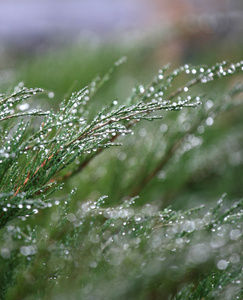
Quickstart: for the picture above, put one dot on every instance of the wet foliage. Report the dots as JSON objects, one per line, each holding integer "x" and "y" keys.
{"x": 130, "y": 244}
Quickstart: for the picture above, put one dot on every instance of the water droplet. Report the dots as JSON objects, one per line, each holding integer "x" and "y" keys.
{"x": 222, "y": 264}
{"x": 138, "y": 218}
{"x": 51, "y": 95}
{"x": 163, "y": 127}
{"x": 5, "y": 253}
{"x": 235, "y": 234}
{"x": 71, "y": 217}
{"x": 189, "y": 226}
{"x": 209, "y": 121}
{"x": 28, "y": 250}
{"x": 23, "y": 106}
{"x": 208, "y": 104}
{"x": 141, "y": 89}
{"x": 200, "y": 129}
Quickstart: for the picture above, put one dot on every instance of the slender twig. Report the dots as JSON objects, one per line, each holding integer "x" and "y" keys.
{"x": 171, "y": 150}
{"x": 129, "y": 125}
{"x": 165, "y": 159}
{"x": 28, "y": 113}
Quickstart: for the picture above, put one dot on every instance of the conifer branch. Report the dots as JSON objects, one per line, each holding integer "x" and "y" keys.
{"x": 156, "y": 89}
{"x": 83, "y": 243}
{"x": 219, "y": 109}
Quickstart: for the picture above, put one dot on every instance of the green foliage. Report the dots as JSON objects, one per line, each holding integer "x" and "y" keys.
{"x": 121, "y": 246}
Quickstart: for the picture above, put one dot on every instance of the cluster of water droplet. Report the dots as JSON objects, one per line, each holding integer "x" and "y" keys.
{"x": 155, "y": 242}
{"x": 10, "y": 105}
